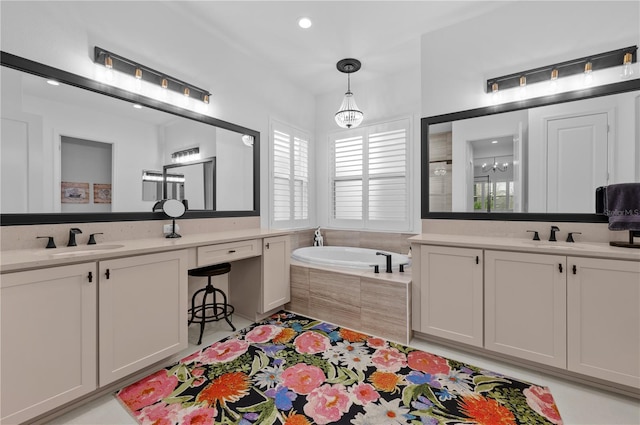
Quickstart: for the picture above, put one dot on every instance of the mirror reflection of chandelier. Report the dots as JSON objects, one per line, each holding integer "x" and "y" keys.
{"x": 495, "y": 166}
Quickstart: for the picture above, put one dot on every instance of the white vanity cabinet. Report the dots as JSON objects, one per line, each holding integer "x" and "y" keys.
{"x": 143, "y": 312}
{"x": 451, "y": 293}
{"x": 48, "y": 339}
{"x": 604, "y": 319}
{"x": 261, "y": 284}
{"x": 276, "y": 287}
{"x": 525, "y": 306}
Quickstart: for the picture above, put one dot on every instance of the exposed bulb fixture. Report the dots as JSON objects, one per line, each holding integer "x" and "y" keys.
{"x": 589, "y": 67}
{"x": 186, "y": 155}
{"x": 53, "y": 83}
{"x": 522, "y": 91}
{"x": 162, "y": 83}
{"x": 349, "y": 116}
{"x": 627, "y": 70}
{"x": 247, "y": 140}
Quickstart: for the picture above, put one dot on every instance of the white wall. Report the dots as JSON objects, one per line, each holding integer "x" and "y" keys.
{"x": 63, "y": 34}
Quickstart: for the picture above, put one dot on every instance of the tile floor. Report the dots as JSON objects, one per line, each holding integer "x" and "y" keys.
{"x": 578, "y": 404}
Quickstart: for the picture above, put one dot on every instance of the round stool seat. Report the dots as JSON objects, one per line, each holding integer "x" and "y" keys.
{"x": 203, "y": 312}
{"x": 215, "y": 270}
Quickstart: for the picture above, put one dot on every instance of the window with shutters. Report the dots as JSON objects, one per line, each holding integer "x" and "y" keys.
{"x": 290, "y": 176}
{"x": 369, "y": 177}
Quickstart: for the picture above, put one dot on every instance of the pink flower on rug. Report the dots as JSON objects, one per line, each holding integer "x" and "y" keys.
{"x": 159, "y": 414}
{"x": 198, "y": 371}
{"x": 148, "y": 391}
{"x": 200, "y": 416}
{"x": 364, "y": 393}
{"x": 375, "y": 342}
{"x": 389, "y": 359}
{"x": 263, "y": 333}
{"x": 221, "y": 352}
{"x": 541, "y": 400}
{"x": 302, "y": 378}
{"x": 428, "y": 363}
{"x": 311, "y": 343}
{"x": 327, "y": 403}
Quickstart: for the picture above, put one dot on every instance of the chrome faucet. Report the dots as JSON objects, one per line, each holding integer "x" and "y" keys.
{"x": 72, "y": 236}
{"x": 552, "y": 236}
{"x": 388, "y": 260}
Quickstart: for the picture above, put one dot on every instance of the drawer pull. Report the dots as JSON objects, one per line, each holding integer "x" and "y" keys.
{"x": 575, "y": 269}
{"x": 107, "y": 273}
{"x": 560, "y": 267}
{"x": 267, "y": 245}
{"x": 231, "y": 251}
{"x": 477, "y": 260}
{"x": 90, "y": 277}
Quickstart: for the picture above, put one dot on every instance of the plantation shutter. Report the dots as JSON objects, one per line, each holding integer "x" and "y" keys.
{"x": 290, "y": 177}
{"x": 369, "y": 179}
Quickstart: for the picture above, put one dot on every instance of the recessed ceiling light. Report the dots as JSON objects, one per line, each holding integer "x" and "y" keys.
{"x": 137, "y": 106}
{"x": 53, "y": 82}
{"x": 304, "y": 23}
{"x": 494, "y": 142}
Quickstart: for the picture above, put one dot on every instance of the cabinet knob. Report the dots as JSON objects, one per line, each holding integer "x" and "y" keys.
{"x": 267, "y": 245}
{"x": 575, "y": 269}
{"x": 90, "y": 277}
{"x": 107, "y": 274}
{"x": 560, "y": 267}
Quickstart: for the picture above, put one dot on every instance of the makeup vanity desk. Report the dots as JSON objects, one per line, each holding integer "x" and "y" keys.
{"x": 104, "y": 312}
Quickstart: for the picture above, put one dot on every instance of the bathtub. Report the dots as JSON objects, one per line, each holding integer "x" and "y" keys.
{"x": 354, "y": 258}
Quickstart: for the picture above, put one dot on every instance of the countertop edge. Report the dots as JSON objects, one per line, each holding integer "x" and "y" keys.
{"x": 576, "y": 249}
{"x": 26, "y": 259}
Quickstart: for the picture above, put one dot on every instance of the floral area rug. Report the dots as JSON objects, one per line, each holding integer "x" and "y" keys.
{"x": 293, "y": 370}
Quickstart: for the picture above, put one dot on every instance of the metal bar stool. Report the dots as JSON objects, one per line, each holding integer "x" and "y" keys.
{"x": 210, "y": 312}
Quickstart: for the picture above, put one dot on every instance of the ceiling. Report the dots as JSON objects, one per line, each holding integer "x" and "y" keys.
{"x": 383, "y": 35}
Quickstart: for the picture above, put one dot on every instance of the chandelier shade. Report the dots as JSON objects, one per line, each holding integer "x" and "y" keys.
{"x": 349, "y": 115}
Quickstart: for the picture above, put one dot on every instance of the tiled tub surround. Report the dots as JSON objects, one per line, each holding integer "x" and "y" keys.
{"x": 379, "y": 304}
{"x": 569, "y": 309}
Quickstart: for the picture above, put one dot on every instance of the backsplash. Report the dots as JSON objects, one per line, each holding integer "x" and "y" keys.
{"x": 591, "y": 232}
{"x": 384, "y": 241}
{"x": 24, "y": 237}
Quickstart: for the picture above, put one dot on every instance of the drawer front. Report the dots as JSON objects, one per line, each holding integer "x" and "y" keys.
{"x": 226, "y": 252}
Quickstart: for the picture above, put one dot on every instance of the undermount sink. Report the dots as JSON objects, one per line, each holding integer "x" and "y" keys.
{"x": 84, "y": 250}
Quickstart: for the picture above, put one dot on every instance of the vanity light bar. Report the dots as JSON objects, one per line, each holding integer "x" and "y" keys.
{"x": 156, "y": 176}
{"x": 126, "y": 66}
{"x": 186, "y": 155}
{"x": 596, "y": 62}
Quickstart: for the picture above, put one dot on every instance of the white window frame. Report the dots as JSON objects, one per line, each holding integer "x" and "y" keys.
{"x": 366, "y": 223}
{"x": 293, "y": 133}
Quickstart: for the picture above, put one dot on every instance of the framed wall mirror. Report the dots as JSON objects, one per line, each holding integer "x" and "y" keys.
{"x": 80, "y": 152}
{"x": 539, "y": 159}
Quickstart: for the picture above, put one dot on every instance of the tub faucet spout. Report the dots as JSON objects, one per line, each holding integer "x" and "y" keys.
{"x": 388, "y": 260}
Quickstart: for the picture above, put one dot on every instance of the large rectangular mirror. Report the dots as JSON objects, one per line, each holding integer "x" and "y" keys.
{"x": 79, "y": 151}
{"x": 538, "y": 159}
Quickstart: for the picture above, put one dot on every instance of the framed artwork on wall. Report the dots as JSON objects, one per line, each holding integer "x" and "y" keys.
{"x": 74, "y": 193}
{"x": 101, "y": 193}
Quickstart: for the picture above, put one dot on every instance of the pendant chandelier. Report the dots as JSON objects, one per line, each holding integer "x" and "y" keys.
{"x": 349, "y": 116}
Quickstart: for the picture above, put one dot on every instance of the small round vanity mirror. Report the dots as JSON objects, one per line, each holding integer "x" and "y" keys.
{"x": 174, "y": 209}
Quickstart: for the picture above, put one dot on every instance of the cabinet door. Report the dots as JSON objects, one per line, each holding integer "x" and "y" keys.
{"x": 276, "y": 290}
{"x": 451, "y": 293}
{"x": 48, "y": 342}
{"x": 604, "y": 319}
{"x": 525, "y": 306}
{"x": 143, "y": 312}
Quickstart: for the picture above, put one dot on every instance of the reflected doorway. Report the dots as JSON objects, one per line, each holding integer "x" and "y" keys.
{"x": 85, "y": 175}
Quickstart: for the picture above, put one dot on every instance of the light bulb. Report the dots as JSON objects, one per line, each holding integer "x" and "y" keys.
{"x": 522, "y": 90}
{"x": 553, "y": 82}
{"x": 588, "y": 74}
{"x": 627, "y": 67}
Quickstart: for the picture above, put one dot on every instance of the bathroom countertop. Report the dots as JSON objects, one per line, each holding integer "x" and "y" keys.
{"x": 23, "y": 259}
{"x": 578, "y": 249}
